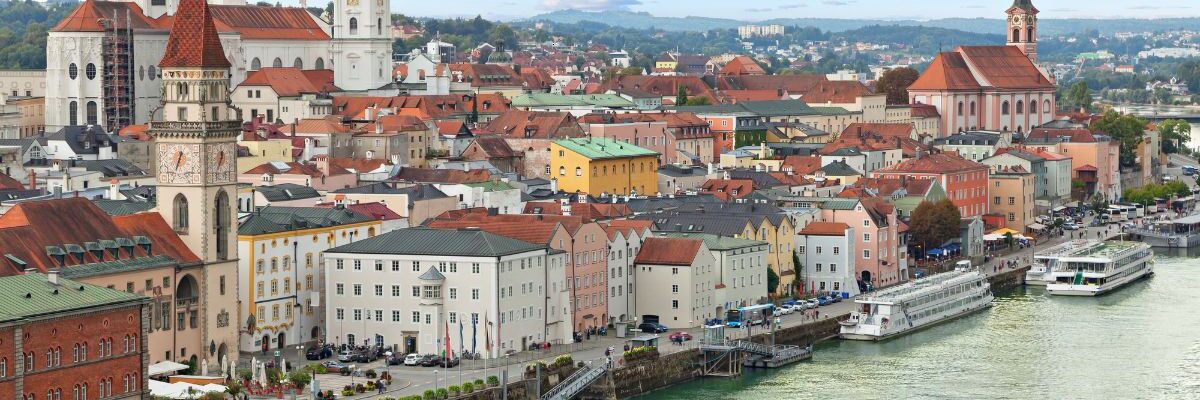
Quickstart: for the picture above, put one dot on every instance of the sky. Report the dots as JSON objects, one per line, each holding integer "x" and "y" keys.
{"x": 765, "y": 9}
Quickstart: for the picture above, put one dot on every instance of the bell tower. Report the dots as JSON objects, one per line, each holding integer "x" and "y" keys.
{"x": 362, "y": 44}
{"x": 1022, "y": 28}
{"x": 197, "y": 137}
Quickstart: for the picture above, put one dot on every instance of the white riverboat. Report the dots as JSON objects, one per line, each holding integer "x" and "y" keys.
{"x": 918, "y": 304}
{"x": 1092, "y": 268}
{"x": 1176, "y": 233}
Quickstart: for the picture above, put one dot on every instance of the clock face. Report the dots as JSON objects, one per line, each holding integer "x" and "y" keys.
{"x": 352, "y": 2}
{"x": 222, "y": 158}
{"x": 178, "y": 163}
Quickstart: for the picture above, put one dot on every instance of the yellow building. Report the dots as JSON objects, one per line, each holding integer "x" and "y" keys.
{"x": 1013, "y": 191}
{"x": 262, "y": 151}
{"x": 603, "y": 165}
{"x": 779, "y": 232}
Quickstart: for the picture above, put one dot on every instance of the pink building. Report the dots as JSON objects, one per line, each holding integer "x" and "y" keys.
{"x": 878, "y": 259}
{"x": 965, "y": 181}
{"x": 679, "y": 137}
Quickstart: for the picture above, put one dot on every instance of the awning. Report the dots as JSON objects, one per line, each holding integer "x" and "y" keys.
{"x": 1003, "y": 231}
{"x": 1059, "y": 208}
{"x": 1036, "y": 226}
{"x": 182, "y": 390}
{"x": 165, "y": 367}
{"x": 992, "y": 237}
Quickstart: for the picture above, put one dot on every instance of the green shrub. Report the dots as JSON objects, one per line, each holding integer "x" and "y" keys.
{"x": 479, "y": 383}
{"x": 429, "y": 394}
{"x": 443, "y": 393}
{"x": 493, "y": 381}
{"x": 562, "y": 360}
{"x": 347, "y": 392}
{"x": 468, "y": 387}
{"x": 455, "y": 389}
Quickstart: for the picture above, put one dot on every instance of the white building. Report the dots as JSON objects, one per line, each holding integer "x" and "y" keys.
{"x": 826, "y": 252}
{"x": 741, "y": 269}
{"x": 362, "y": 44}
{"x": 413, "y": 288}
{"x": 623, "y": 246}
{"x": 500, "y": 195}
{"x": 281, "y": 282}
{"x": 677, "y": 280}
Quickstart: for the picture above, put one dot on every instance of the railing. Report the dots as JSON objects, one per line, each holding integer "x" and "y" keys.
{"x": 755, "y": 348}
{"x": 188, "y": 302}
{"x": 578, "y": 381}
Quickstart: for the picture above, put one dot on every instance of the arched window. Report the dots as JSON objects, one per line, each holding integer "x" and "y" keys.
{"x": 1020, "y": 106}
{"x": 1029, "y": 35}
{"x": 1016, "y": 36}
{"x": 1020, "y": 128}
{"x": 379, "y": 26}
{"x": 91, "y": 113}
{"x": 73, "y": 71}
{"x": 960, "y": 108}
{"x": 972, "y": 108}
{"x": 1046, "y": 106}
{"x": 1004, "y": 108}
{"x": 181, "y": 213}
{"x": 152, "y": 73}
{"x": 255, "y": 64}
{"x": 90, "y": 70}
{"x": 142, "y": 73}
{"x": 353, "y": 26}
{"x": 222, "y": 223}
{"x": 1033, "y": 107}
{"x": 73, "y": 110}
{"x": 578, "y": 171}
{"x": 278, "y": 63}
{"x": 562, "y": 171}
{"x": 320, "y": 64}
{"x": 298, "y": 64}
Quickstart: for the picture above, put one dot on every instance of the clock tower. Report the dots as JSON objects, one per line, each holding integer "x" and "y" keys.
{"x": 1022, "y": 28}
{"x": 362, "y": 44}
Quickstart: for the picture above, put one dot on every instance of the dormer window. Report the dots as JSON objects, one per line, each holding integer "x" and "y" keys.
{"x": 144, "y": 243}
{"x": 96, "y": 250}
{"x": 57, "y": 253}
{"x": 77, "y": 252}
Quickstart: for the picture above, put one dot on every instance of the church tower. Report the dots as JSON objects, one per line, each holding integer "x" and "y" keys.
{"x": 1022, "y": 27}
{"x": 362, "y": 44}
{"x": 197, "y": 138}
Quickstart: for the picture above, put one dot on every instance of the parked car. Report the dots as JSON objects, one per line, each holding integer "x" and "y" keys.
{"x": 652, "y": 327}
{"x": 367, "y": 355}
{"x": 412, "y": 359}
{"x": 334, "y": 367}
{"x": 395, "y": 359}
{"x": 812, "y": 303}
{"x": 680, "y": 337}
{"x": 1070, "y": 226}
{"x": 783, "y": 310}
{"x": 448, "y": 362}
{"x": 318, "y": 353}
{"x": 346, "y": 356}
{"x": 430, "y": 360}
{"x": 835, "y": 298}
{"x": 823, "y": 300}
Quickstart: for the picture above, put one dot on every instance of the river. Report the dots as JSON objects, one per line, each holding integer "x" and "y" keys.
{"x": 1141, "y": 342}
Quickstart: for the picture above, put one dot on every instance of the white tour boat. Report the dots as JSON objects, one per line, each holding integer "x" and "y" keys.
{"x": 1091, "y": 267}
{"x": 918, "y": 304}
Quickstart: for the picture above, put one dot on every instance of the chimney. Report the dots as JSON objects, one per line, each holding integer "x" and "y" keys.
{"x": 113, "y": 191}
{"x": 52, "y": 276}
{"x": 32, "y": 180}
{"x": 553, "y": 185}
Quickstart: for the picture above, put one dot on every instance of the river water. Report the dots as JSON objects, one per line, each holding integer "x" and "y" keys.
{"x": 1141, "y": 342}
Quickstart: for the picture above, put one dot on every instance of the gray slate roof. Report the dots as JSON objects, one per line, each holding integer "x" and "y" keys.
{"x": 839, "y": 168}
{"x": 438, "y": 242}
{"x": 272, "y": 219}
{"x": 287, "y": 191}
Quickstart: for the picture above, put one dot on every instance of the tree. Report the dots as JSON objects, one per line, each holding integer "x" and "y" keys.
{"x": 698, "y": 101}
{"x": 1079, "y": 97}
{"x": 932, "y": 224}
{"x": 772, "y": 280}
{"x": 1175, "y": 133}
{"x": 895, "y": 84}
{"x": 681, "y": 97}
{"x": 1128, "y": 129}
{"x": 299, "y": 378}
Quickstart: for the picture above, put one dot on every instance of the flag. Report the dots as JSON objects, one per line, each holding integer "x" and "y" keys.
{"x": 487, "y": 337}
{"x": 447, "y": 340}
{"x": 474, "y": 334}
{"x": 460, "y": 335}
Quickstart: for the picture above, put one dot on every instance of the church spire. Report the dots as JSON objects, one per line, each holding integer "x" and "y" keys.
{"x": 194, "y": 41}
{"x": 1026, "y": 5}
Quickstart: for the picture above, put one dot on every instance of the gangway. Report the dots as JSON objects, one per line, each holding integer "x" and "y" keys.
{"x": 578, "y": 381}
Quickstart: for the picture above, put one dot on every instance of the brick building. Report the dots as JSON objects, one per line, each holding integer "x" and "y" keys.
{"x": 61, "y": 338}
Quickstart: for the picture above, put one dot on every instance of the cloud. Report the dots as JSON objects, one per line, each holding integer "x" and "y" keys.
{"x": 590, "y": 5}
{"x": 792, "y": 6}
{"x": 837, "y": 3}
{"x": 1143, "y": 7}
{"x": 759, "y": 10}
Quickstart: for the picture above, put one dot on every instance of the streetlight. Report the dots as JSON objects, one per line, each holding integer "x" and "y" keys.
{"x": 435, "y": 381}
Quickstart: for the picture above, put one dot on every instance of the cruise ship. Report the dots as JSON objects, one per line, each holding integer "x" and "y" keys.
{"x": 1092, "y": 268}
{"x": 918, "y": 304}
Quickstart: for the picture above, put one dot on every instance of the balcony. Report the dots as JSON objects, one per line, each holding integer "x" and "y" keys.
{"x": 188, "y": 303}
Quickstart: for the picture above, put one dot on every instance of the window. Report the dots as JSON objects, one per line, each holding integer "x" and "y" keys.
{"x": 837, "y": 250}
{"x": 357, "y": 314}
{"x": 416, "y": 317}
{"x": 298, "y": 64}
{"x": 353, "y": 26}
{"x": 339, "y": 264}
{"x": 395, "y": 266}
{"x": 996, "y": 199}
{"x": 358, "y": 289}
{"x": 578, "y": 171}
{"x": 320, "y": 64}
{"x": 395, "y": 290}
{"x": 972, "y": 108}
{"x": 91, "y": 112}
{"x": 453, "y": 293}
{"x": 1004, "y": 108}
{"x": 675, "y": 304}
{"x": 73, "y": 71}
{"x": 960, "y": 108}
{"x": 181, "y": 213}
{"x": 674, "y": 288}
{"x": 416, "y": 291}
{"x": 1020, "y": 107}
{"x": 866, "y": 238}
{"x": 90, "y": 70}
{"x": 866, "y": 254}
{"x": 379, "y": 290}
{"x": 416, "y": 266}
{"x": 474, "y": 294}
{"x": 832, "y": 267}
{"x": 1011, "y": 200}
{"x": 73, "y": 110}
{"x": 278, "y": 63}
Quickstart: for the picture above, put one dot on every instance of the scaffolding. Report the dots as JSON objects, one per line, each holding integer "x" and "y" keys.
{"x": 118, "y": 72}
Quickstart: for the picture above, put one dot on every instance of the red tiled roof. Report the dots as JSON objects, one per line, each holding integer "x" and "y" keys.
{"x": 8, "y": 183}
{"x": 86, "y": 17}
{"x": 803, "y": 165}
{"x": 494, "y": 146}
{"x": 329, "y": 124}
{"x": 948, "y": 71}
{"x": 587, "y": 211}
{"x": 359, "y": 165}
{"x": 29, "y": 227}
{"x": 286, "y": 82}
{"x": 838, "y": 92}
{"x": 395, "y": 123}
{"x": 752, "y": 95}
{"x": 1005, "y": 67}
{"x": 742, "y": 65}
{"x": 194, "y": 41}
{"x": 443, "y": 175}
{"x": 1073, "y": 135}
{"x": 668, "y": 251}
{"x": 537, "y": 79}
{"x": 886, "y": 130}
{"x": 295, "y": 168}
{"x": 1087, "y": 167}
{"x": 376, "y": 210}
{"x": 278, "y": 23}
{"x": 663, "y": 86}
{"x": 790, "y": 83}
{"x": 724, "y": 188}
{"x": 140, "y": 132}
{"x": 519, "y": 124}
{"x": 451, "y": 128}
{"x": 433, "y": 106}
{"x": 825, "y": 229}
{"x": 924, "y": 111}
{"x": 936, "y": 163}
{"x": 478, "y": 75}
{"x": 536, "y": 232}
{"x": 637, "y": 225}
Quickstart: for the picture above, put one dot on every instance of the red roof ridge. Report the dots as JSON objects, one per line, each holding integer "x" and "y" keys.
{"x": 194, "y": 41}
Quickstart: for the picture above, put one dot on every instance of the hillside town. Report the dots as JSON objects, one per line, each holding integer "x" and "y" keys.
{"x": 252, "y": 199}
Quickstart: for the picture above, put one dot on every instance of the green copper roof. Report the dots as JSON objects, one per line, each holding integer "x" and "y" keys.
{"x": 117, "y": 266}
{"x": 438, "y": 242}
{"x": 830, "y": 110}
{"x": 604, "y": 100}
{"x": 273, "y": 219}
{"x": 31, "y": 295}
{"x": 603, "y": 148}
{"x": 716, "y": 242}
{"x": 546, "y": 100}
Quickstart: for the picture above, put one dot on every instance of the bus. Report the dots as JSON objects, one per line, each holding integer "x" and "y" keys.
{"x": 750, "y": 315}
{"x": 1116, "y": 213}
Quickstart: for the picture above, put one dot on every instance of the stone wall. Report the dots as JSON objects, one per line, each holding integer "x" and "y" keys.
{"x": 1008, "y": 280}
{"x": 645, "y": 376}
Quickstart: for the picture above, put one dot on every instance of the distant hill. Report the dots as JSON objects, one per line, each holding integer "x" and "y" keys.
{"x": 925, "y": 40}
{"x": 1048, "y": 26}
